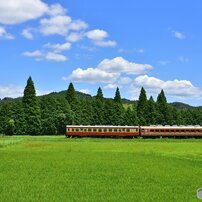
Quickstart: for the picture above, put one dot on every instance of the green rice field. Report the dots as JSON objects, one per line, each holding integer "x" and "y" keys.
{"x": 54, "y": 168}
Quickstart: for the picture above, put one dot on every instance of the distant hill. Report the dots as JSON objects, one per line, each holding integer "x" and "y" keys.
{"x": 180, "y": 105}
{"x": 84, "y": 96}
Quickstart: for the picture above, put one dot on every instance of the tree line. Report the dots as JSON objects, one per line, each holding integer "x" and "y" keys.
{"x": 48, "y": 115}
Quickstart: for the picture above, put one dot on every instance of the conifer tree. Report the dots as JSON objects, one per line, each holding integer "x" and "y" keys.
{"x": 99, "y": 95}
{"x": 31, "y": 109}
{"x": 118, "y": 109}
{"x": 117, "y": 97}
{"x": 151, "y": 112}
{"x": 142, "y": 107}
{"x": 71, "y": 95}
{"x": 162, "y": 108}
{"x": 98, "y": 108}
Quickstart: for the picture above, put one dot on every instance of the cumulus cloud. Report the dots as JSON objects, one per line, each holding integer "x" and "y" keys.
{"x": 55, "y": 57}
{"x": 108, "y": 71}
{"x": 178, "y": 35}
{"x": 27, "y": 33}
{"x": 4, "y": 34}
{"x": 92, "y": 75}
{"x": 74, "y": 37}
{"x": 98, "y": 37}
{"x": 97, "y": 34}
{"x": 111, "y": 86}
{"x": 86, "y": 91}
{"x": 178, "y": 88}
{"x": 18, "y": 11}
{"x": 36, "y": 53}
{"x": 121, "y": 65}
{"x": 58, "y": 47}
{"x": 56, "y": 9}
{"x": 11, "y": 91}
{"x": 60, "y": 23}
{"x": 55, "y": 25}
{"x": 51, "y": 56}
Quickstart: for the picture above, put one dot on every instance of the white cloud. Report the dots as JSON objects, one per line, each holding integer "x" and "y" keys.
{"x": 78, "y": 25}
{"x": 92, "y": 75}
{"x": 27, "y": 33}
{"x": 55, "y": 25}
{"x": 108, "y": 71}
{"x": 97, "y": 34}
{"x": 105, "y": 43}
{"x": 58, "y": 47}
{"x": 56, "y": 9}
{"x": 55, "y": 57}
{"x": 121, "y": 65}
{"x": 18, "y": 11}
{"x": 178, "y": 35}
{"x": 124, "y": 80}
{"x": 51, "y": 56}
{"x": 74, "y": 37}
{"x": 86, "y": 91}
{"x": 98, "y": 37}
{"x": 11, "y": 91}
{"x": 36, "y": 54}
{"x": 111, "y": 86}
{"x": 60, "y": 25}
{"x": 178, "y": 88}
{"x": 4, "y": 34}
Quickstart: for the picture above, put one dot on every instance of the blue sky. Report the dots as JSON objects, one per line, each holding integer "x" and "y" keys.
{"x": 126, "y": 43}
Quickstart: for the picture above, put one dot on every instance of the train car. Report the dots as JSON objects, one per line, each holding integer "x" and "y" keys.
{"x": 171, "y": 131}
{"x": 101, "y": 131}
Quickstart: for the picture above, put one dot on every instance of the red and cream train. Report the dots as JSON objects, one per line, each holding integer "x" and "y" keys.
{"x": 133, "y": 131}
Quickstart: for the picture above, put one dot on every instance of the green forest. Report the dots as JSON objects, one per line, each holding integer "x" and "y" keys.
{"x": 49, "y": 114}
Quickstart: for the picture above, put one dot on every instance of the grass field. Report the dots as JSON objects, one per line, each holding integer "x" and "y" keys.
{"x": 59, "y": 169}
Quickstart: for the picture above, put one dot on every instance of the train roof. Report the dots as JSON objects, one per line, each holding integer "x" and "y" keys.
{"x": 174, "y": 126}
{"x": 99, "y": 126}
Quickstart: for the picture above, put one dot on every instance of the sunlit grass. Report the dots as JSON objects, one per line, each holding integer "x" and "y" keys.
{"x": 58, "y": 169}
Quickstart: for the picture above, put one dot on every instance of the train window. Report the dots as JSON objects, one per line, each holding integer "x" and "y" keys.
{"x": 123, "y": 129}
{"x": 119, "y": 130}
{"x": 167, "y": 130}
{"x": 81, "y": 129}
{"x": 192, "y": 131}
{"x": 72, "y": 129}
{"x": 110, "y": 130}
{"x": 77, "y": 129}
{"x": 84, "y": 129}
{"x": 115, "y": 130}
{"x": 152, "y": 130}
{"x": 182, "y": 131}
{"x": 157, "y": 130}
{"x": 162, "y": 130}
{"x": 94, "y": 130}
{"x": 100, "y": 130}
{"x": 89, "y": 129}
{"x": 177, "y": 131}
{"x": 172, "y": 131}
{"x": 105, "y": 130}
{"x": 128, "y": 130}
